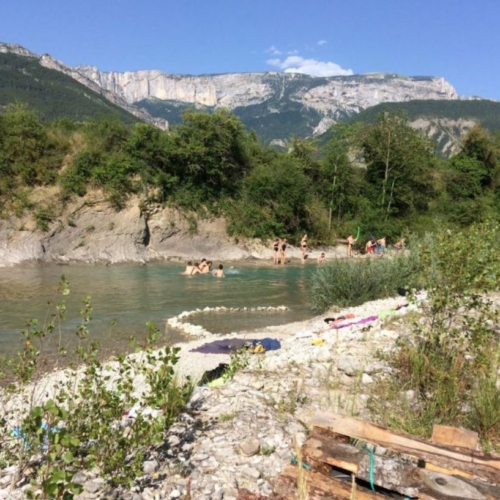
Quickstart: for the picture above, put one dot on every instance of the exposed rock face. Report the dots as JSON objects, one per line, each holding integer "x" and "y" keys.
{"x": 445, "y": 132}
{"x": 95, "y": 232}
{"x": 330, "y": 96}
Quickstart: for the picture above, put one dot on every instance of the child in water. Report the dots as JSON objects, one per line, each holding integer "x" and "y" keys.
{"x": 219, "y": 273}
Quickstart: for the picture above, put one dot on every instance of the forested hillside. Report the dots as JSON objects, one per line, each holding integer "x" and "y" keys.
{"x": 383, "y": 176}
{"x": 50, "y": 93}
{"x": 485, "y": 112}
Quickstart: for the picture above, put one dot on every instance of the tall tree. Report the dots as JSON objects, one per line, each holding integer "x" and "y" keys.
{"x": 337, "y": 171}
{"x": 399, "y": 161}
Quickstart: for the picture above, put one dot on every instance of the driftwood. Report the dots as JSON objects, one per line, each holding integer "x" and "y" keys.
{"x": 392, "y": 473}
{"x": 319, "y": 486}
{"x": 248, "y": 495}
{"x": 449, "y": 467}
{"x": 443, "y": 458}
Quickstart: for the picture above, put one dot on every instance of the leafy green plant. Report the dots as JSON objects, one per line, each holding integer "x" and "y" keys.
{"x": 349, "y": 282}
{"x": 43, "y": 217}
{"x": 450, "y": 361}
{"x": 78, "y": 422}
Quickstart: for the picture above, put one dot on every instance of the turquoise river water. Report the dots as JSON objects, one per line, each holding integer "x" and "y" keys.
{"x": 131, "y": 295}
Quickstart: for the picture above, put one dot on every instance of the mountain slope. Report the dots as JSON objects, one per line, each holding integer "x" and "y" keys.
{"x": 444, "y": 121}
{"x": 51, "y": 93}
{"x": 276, "y": 105}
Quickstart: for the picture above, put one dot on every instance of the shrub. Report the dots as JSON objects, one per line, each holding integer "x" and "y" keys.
{"x": 43, "y": 217}
{"x": 78, "y": 423}
{"x": 450, "y": 359}
{"x": 351, "y": 282}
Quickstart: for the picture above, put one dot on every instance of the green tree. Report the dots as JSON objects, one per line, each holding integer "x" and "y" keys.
{"x": 399, "y": 162}
{"x": 274, "y": 200}
{"x": 210, "y": 153}
{"x": 479, "y": 145}
{"x": 338, "y": 179}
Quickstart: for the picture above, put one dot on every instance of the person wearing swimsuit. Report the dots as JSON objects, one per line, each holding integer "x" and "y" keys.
{"x": 276, "y": 247}
{"x": 303, "y": 247}
{"x": 283, "y": 250}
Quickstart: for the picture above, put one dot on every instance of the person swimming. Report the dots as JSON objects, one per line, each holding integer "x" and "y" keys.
{"x": 205, "y": 266}
{"x": 321, "y": 259}
{"x": 190, "y": 269}
{"x": 219, "y": 273}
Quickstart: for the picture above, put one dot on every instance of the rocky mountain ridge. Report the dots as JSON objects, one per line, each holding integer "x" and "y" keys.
{"x": 47, "y": 61}
{"x": 331, "y": 97}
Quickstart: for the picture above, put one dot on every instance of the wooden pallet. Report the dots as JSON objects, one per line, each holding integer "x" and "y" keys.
{"x": 448, "y": 467}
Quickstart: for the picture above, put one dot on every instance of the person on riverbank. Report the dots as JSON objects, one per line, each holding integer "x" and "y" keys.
{"x": 381, "y": 246}
{"x": 276, "y": 250}
{"x": 400, "y": 245}
{"x": 219, "y": 273}
{"x": 321, "y": 259}
{"x": 190, "y": 269}
{"x": 350, "y": 242}
{"x": 369, "y": 247}
{"x": 283, "y": 250}
{"x": 303, "y": 248}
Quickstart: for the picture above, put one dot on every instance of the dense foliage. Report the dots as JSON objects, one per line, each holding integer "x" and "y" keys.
{"x": 384, "y": 176}
{"x": 447, "y": 369}
{"x": 52, "y": 93}
{"x": 347, "y": 283}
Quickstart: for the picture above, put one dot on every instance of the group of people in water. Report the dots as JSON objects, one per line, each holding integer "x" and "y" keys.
{"x": 204, "y": 267}
{"x": 373, "y": 246}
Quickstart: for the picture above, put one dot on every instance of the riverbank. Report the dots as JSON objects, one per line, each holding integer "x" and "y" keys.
{"x": 242, "y": 434}
{"x": 89, "y": 230}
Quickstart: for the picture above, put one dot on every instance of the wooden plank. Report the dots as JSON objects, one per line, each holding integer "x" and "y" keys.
{"x": 244, "y": 494}
{"x": 389, "y": 473}
{"x": 452, "y": 436}
{"x": 319, "y": 487}
{"x": 472, "y": 463}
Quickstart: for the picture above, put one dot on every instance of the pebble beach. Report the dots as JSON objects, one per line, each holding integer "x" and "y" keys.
{"x": 243, "y": 433}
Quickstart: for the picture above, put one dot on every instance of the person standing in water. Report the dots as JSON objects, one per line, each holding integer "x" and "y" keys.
{"x": 276, "y": 249}
{"x": 219, "y": 273}
{"x": 303, "y": 248}
{"x": 283, "y": 250}
{"x": 321, "y": 259}
{"x": 190, "y": 269}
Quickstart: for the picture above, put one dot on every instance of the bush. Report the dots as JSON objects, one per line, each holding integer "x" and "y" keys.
{"x": 352, "y": 282}
{"x": 48, "y": 435}
{"x": 450, "y": 359}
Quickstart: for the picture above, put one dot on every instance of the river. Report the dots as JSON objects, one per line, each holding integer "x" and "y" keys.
{"x": 131, "y": 295}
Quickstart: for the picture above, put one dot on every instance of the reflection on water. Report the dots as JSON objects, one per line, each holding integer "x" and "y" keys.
{"x": 131, "y": 295}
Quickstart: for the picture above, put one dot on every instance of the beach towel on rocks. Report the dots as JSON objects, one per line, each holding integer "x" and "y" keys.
{"x": 359, "y": 322}
{"x": 224, "y": 346}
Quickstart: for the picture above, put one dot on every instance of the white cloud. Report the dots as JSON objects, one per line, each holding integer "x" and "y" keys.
{"x": 273, "y": 50}
{"x": 322, "y": 42}
{"x": 312, "y": 67}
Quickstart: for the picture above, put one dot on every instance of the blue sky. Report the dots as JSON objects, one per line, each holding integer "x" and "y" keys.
{"x": 456, "y": 39}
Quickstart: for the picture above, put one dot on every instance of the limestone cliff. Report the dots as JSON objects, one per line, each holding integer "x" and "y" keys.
{"x": 90, "y": 230}
{"x": 330, "y": 96}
